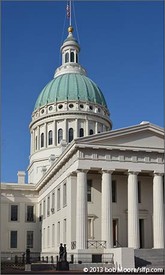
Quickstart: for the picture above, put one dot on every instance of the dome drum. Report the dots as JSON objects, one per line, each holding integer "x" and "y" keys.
{"x": 76, "y": 107}
{"x": 45, "y": 132}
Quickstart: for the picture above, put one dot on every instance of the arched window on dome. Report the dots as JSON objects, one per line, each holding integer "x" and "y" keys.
{"x": 91, "y": 132}
{"x": 66, "y": 57}
{"x": 72, "y": 57}
{"x": 70, "y": 134}
{"x": 76, "y": 58}
{"x": 36, "y": 141}
{"x": 60, "y": 135}
{"x": 81, "y": 132}
{"x": 42, "y": 140}
{"x": 50, "y": 137}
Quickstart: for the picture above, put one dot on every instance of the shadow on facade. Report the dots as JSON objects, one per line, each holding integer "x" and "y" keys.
{"x": 139, "y": 262}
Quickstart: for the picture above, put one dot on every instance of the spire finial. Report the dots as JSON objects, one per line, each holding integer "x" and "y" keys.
{"x": 70, "y": 29}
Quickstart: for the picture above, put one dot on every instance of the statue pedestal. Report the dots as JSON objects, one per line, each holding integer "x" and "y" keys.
{"x": 64, "y": 265}
{"x": 27, "y": 267}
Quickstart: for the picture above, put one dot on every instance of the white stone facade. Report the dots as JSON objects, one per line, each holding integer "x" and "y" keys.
{"x": 94, "y": 193}
{"x": 125, "y": 202}
{"x": 65, "y": 118}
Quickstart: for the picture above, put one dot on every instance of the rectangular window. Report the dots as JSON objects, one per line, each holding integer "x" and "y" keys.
{"x": 48, "y": 236}
{"x": 115, "y": 233}
{"x": 40, "y": 210}
{"x": 29, "y": 240}
{"x": 89, "y": 188}
{"x": 114, "y": 191}
{"x": 44, "y": 209}
{"x": 36, "y": 141}
{"x": 48, "y": 206}
{"x": 13, "y": 239}
{"x": 58, "y": 232}
{"x": 53, "y": 203}
{"x": 30, "y": 213}
{"x": 14, "y": 212}
{"x": 40, "y": 240}
{"x": 139, "y": 192}
{"x": 53, "y": 235}
{"x": 44, "y": 238}
{"x": 90, "y": 228}
{"x": 141, "y": 233}
{"x": 58, "y": 198}
{"x": 64, "y": 195}
{"x": 64, "y": 231}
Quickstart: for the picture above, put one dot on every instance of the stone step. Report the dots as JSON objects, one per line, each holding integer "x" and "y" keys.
{"x": 91, "y": 267}
{"x": 42, "y": 266}
{"x": 80, "y": 267}
{"x": 149, "y": 251}
{"x": 149, "y": 258}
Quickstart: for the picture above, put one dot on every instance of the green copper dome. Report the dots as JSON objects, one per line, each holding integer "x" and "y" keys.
{"x": 70, "y": 87}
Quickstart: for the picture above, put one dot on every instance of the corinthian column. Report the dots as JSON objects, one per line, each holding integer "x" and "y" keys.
{"x": 158, "y": 216}
{"x": 133, "y": 216}
{"x": 106, "y": 232}
{"x": 81, "y": 210}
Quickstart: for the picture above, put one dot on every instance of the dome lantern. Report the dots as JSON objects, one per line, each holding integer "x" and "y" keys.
{"x": 70, "y": 48}
{"x": 70, "y": 56}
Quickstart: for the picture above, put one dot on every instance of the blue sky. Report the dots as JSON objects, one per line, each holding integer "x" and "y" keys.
{"x": 121, "y": 49}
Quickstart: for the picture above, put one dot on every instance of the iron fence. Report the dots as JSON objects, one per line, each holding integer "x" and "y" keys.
{"x": 19, "y": 257}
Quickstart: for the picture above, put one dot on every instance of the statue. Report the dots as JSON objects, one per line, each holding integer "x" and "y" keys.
{"x": 62, "y": 264}
{"x": 61, "y": 252}
{"x": 28, "y": 264}
{"x": 27, "y": 256}
{"x": 64, "y": 253}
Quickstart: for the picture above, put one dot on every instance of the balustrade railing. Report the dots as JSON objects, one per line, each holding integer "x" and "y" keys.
{"x": 96, "y": 244}
{"x": 91, "y": 244}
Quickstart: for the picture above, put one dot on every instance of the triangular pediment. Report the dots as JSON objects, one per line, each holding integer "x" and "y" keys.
{"x": 140, "y": 136}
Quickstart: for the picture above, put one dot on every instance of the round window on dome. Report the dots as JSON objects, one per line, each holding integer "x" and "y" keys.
{"x": 71, "y": 105}
{"x": 50, "y": 108}
{"x": 91, "y": 107}
{"x": 60, "y": 106}
{"x": 99, "y": 110}
{"x": 81, "y": 106}
{"x": 42, "y": 111}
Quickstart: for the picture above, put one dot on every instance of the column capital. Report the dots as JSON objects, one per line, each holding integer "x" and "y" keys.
{"x": 107, "y": 171}
{"x": 133, "y": 172}
{"x": 158, "y": 173}
{"x": 70, "y": 174}
{"x": 82, "y": 170}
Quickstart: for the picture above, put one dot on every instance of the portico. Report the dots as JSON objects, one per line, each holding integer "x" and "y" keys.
{"x": 133, "y": 210}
